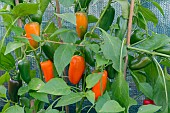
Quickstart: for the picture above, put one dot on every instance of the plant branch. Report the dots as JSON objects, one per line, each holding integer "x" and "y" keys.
{"x": 58, "y": 12}
{"x": 148, "y": 52}
{"x": 6, "y": 33}
{"x": 100, "y": 17}
{"x": 129, "y": 33}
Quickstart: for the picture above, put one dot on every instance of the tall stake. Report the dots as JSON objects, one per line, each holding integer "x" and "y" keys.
{"x": 58, "y": 12}
{"x": 129, "y": 32}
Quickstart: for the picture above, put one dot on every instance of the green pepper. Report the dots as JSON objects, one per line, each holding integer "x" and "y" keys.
{"x": 24, "y": 69}
{"x": 136, "y": 36}
{"x": 111, "y": 71}
{"x": 37, "y": 17}
{"x": 89, "y": 56}
{"x": 122, "y": 23}
{"x": 106, "y": 22}
{"x": 164, "y": 49}
{"x": 49, "y": 48}
{"x": 84, "y": 5}
{"x": 13, "y": 87}
{"x": 140, "y": 62}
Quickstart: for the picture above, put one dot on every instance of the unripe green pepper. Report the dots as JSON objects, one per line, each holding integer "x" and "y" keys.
{"x": 111, "y": 71}
{"x": 140, "y": 62}
{"x": 89, "y": 56}
{"x": 122, "y": 23}
{"x": 106, "y": 22}
{"x": 37, "y": 17}
{"x": 164, "y": 49}
{"x": 136, "y": 36}
{"x": 24, "y": 69}
{"x": 13, "y": 87}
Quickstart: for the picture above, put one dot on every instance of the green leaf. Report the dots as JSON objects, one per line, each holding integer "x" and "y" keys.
{"x": 101, "y": 100}
{"x": 70, "y": 17}
{"x": 111, "y": 106}
{"x": 9, "y": 2}
{"x": 154, "y": 42}
{"x": 69, "y": 37}
{"x": 6, "y": 106}
{"x": 7, "y": 62}
{"x": 7, "y": 20}
{"x": 92, "y": 19}
{"x": 148, "y": 108}
{"x": 15, "y": 109}
{"x": 149, "y": 15}
{"x": 140, "y": 81}
{"x": 23, "y": 9}
{"x": 35, "y": 84}
{"x": 94, "y": 47}
{"x": 66, "y": 3}
{"x": 121, "y": 92}
{"x": 3, "y": 91}
{"x": 90, "y": 96}
{"x": 165, "y": 62}
{"x": 100, "y": 60}
{"x": 43, "y": 5}
{"x": 62, "y": 57}
{"x": 4, "y": 78}
{"x": 25, "y": 101}
{"x": 52, "y": 111}
{"x": 11, "y": 46}
{"x": 36, "y": 38}
{"x": 114, "y": 52}
{"x": 69, "y": 99}
{"x": 158, "y": 7}
{"x": 125, "y": 7}
{"x": 56, "y": 86}
{"x": 92, "y": 79}
{"x": 22, "y": 90}
{"x": 146, "y": 89}
{"x": 21, "y": 39}
{"x": 18, "y": 30}
{"x": 59, "y": 31}
{"x": 142, "y": 21}
{"x": 39, "y": 96}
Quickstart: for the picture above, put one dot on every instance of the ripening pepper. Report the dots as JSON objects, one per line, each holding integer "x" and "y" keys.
{"x": 148, "y": 101}
{"x": 47, "y": 68}
{"x": 140, "y": 62}
{"x": 97, "y": 89}
{"x": 24, "y": 69}
{"x": 76, "y": 69}
{"x": 81, "y": 24}
{"x": 13, "y": 87}
{"x": 32, "y": 28}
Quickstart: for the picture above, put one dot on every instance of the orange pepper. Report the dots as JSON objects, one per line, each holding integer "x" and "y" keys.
{"x": 97, "y": 89}
{"x": 76, "y": 69}
{"x": 81, "y": 24}
{"x": 47, "y": 68}
{"x": 32, "y": 28}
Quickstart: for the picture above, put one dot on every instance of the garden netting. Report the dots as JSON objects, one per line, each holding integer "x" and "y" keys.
{"x": 163, "y": 27}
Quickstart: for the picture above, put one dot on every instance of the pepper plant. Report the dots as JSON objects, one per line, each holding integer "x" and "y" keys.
{"x": 89, "y": 63}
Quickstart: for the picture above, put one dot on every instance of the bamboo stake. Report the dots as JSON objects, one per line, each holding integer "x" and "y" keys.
{"x": 129, "y": 33}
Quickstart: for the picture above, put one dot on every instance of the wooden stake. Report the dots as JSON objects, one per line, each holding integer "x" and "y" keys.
{"x": 129, "y": 33}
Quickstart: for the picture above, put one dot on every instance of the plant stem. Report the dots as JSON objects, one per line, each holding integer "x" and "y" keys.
{"x": 100, "y": 17}
{"x": 38, "y": 64}
{"x": 164, "y": 80}
{"x": 129, "y": 33}
{"x": 148, "y": 52}
{"x": 80, "y": 106}
{"x": 6, "y": 33}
